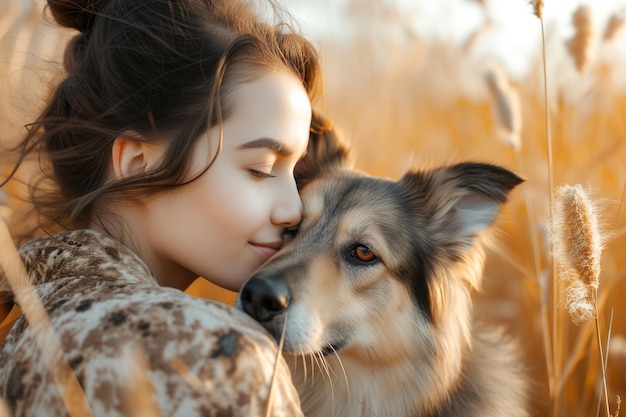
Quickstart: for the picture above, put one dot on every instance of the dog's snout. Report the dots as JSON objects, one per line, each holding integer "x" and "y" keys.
{"x": 264, "y": 299}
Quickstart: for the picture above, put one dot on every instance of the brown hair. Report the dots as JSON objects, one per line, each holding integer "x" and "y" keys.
{"x": 150, "y": 70}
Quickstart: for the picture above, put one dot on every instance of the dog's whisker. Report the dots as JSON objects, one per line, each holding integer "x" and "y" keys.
{"x": 320, "y": 359}
{"x": 319, "y": 363}
{"x": 343, "y": 371}
{"x": 315, "y": 362}
{"x": 307, "y": 363}
{"x": 337, "y": 358}
{"x": 306, "y": 358}
{"x": 305, "y": 370}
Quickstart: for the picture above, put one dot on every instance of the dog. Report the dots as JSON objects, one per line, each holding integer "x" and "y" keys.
{"x": 371, "y": 297}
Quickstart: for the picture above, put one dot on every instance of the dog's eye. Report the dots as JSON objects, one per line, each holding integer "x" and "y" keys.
{"x": 290, "y": 232}
{"x": 363, "y": 255}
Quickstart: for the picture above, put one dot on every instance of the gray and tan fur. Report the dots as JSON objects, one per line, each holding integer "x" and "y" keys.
{"x": 374, "y": 294}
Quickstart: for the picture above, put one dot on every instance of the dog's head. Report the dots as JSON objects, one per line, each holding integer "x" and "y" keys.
{"x": 374, "y": 257}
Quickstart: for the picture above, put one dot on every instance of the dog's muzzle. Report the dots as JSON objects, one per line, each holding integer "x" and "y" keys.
{"x": 264, "y": 299}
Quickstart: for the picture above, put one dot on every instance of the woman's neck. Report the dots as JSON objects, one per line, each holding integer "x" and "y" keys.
{"x": 127, "y": 229}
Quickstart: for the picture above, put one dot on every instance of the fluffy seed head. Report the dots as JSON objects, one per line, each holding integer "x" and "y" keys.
{"x": 579, "y": 45}
{"x": 614, "y": 25}
{"x": 537, "y": 8}
{"x": 577, "y": 245}
{"x": 507, "y": 108}
{"x": 580, "y": 301}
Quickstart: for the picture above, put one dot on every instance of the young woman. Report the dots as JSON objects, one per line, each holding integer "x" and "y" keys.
{"x": 168, "y": 152}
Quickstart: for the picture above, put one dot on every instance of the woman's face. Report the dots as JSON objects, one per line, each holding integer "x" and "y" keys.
{"x": 230, "y": 220}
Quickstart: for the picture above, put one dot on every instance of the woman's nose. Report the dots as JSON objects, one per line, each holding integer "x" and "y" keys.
{"x": 288, "y": 210}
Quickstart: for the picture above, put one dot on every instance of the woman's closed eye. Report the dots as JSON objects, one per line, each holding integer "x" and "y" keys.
{"x": 261, "y": 171}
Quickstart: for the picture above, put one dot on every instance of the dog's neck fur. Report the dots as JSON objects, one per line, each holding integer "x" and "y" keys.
{"x": 355, "y": 376}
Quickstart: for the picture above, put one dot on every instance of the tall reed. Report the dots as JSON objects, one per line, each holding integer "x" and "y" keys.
{"x": 577, "y": 244}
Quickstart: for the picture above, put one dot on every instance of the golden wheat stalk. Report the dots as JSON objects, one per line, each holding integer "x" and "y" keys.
{"x": 4, "y": 410}
{"x": 508, "y": 108}
{"x": 140, "y": 399}
{"x": 550, "y": 342}
{"x": 279, "y": 351}
{"x": 47, "y": 340}
{"x": 579, "y": 46}
{"x": 605, "y": 363}
{"x": 577, "y": 245}
{"x": 614, "y": 25}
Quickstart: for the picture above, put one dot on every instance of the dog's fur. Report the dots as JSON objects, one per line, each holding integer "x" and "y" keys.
{"x": 393, "y": 336}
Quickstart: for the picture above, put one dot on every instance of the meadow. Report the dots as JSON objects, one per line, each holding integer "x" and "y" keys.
{"x": 403, "y": 101}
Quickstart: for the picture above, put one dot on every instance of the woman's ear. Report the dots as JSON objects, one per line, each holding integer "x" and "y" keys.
{"x": 132, "y": 156}
{"x": 128, "y": 157}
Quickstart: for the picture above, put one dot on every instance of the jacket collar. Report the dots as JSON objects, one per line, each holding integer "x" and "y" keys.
{"x": 82, "y": 253}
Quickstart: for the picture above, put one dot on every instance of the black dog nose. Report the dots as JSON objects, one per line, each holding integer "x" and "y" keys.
{"x": 263, "y": 299}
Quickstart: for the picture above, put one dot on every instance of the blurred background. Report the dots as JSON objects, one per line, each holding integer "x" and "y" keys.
{"x": 418, "y": 83}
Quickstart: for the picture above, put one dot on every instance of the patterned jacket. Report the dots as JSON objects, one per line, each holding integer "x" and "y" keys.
{"x": 133, "y": 347}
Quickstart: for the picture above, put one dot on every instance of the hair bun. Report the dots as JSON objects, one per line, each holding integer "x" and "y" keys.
{"x": 76, "y": 14}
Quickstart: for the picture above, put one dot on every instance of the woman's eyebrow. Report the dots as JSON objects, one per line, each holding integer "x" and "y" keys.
{"x": 274, "y": 145}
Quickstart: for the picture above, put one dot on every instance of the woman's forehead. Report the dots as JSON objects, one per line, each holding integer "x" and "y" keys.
{"x": 274, "y": 107}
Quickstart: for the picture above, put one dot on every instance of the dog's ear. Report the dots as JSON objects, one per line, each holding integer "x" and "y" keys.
{"x": 460, "y": 201}
{"x": 325, "y": 152}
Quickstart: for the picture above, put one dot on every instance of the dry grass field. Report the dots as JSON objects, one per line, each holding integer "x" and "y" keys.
{"x": 403, "y": 101}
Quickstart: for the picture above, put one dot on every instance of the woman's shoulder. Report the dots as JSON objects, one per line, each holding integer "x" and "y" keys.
{"x": 97, "y": 289}
{"x": 196, "y": 356}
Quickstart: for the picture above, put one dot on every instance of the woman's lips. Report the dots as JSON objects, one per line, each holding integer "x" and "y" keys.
{"x": 267, "y": 250}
